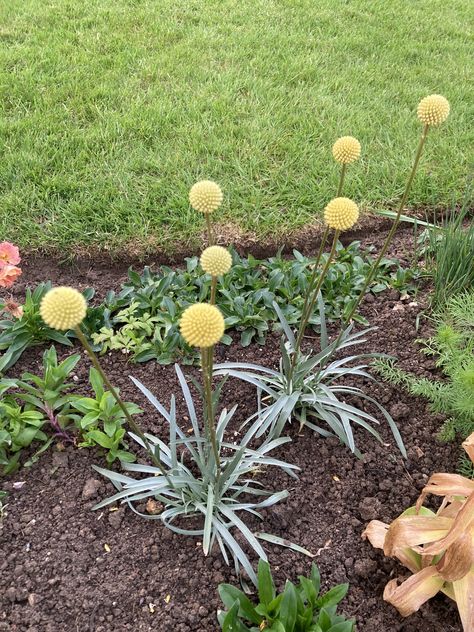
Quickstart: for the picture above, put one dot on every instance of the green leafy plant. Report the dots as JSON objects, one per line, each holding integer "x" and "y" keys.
{"x": 49, "y": 393}
{"x": 32, "y": 404}
{"x": 310, "y": 391}
{"x": 35, "y": 405}
{"x": 200, "y": 478}
{"x": 141, "y": 320}
{"x": 101, "y": 420}
{"x": 299, "y": 608}
{"x": 19, "y": 428}
{"x": 453, "y": 347}
{"x": 18, "y": 334}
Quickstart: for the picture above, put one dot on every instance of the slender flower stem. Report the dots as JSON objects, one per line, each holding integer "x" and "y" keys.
{"x": 206, "y": 362}
{"x": 314, "y": 296}
{"x": 341, "y": 179}
{"x": 133, "y": 425}
{"x": 394, "y": 227}
{"x": 213, "y": 290}
{"x": 308, "y": 301}
{"x": 210, "y": 234}
{"x": 314, "y": 276}
{"x": 385, "y": 246}
{"x": 59, "y": 432}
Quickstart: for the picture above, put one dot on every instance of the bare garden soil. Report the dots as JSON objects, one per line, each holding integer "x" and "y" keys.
{"x": 65, "y": 568}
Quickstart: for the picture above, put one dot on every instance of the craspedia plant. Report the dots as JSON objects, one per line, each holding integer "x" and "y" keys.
{"x": 346, "y": 149}
{"x": 63, "y": 308}
{"x": 216, "y": 260}
{"x": 205, "y": 196}
{"x": 341, "y": 213}
{"x": 202, "y": 325}
{"x": 433, "y": 110}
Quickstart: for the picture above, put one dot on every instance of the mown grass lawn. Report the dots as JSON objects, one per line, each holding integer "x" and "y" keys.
{"x": 111, "y": 109}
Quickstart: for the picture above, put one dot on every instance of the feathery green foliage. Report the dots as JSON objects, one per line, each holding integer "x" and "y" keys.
{"x": 453, "y": 347}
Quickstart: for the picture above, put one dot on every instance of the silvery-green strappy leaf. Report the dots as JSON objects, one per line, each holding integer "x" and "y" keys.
{"x": 200, "y": 490}
{"x": 312, "y": 387}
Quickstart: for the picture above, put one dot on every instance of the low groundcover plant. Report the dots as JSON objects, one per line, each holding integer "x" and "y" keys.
{"x": 438, "y": 547}
{"x": 142, "y": 319}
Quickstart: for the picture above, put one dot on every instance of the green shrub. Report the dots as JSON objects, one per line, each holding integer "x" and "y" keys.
{"x": 200, "y": 477}
{"x": 298, "y": 608}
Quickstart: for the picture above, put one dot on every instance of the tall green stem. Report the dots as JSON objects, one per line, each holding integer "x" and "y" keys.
{"x": 311, "y": 294}
{"x": 314, "y": 296}
{"x": 210, "y": 234}
{"x": 304, "y": 313}
{"x": 213, "y": 290}
{"x": 314, "y": 276}
{"x": 391, "y": 233}
{"x": 133, "y": 425}
{"x": 207, "y": 356}
{"x": 341, "y": 180}
{"x": 386, "y": 244}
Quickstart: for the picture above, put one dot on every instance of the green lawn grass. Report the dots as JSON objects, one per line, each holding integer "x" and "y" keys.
{"x": 112, "y": 109}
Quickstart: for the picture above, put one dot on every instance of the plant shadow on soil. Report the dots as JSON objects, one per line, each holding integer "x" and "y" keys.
{"x": 64, "y": 567}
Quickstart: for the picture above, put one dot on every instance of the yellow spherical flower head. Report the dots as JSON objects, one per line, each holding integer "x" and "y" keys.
{"x": 341, "y": 213}
{"x": 202, "y": 325}
{"x": 346, "y": 149}
{"x": 216, "y": 260}
{"x": 63, "y": 308}
{"x": 433, "y": 110}
{"x": 205, "y": 196}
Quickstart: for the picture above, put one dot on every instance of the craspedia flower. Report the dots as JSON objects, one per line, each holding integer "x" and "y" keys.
{"x": 341, "y": 213}
{"x": 202, "y": 325}
{"x": 346, "y": 149}
{"x": 433, "y": 110}
{"x": 216, "y": 260}
{"x": 205, "y": 196}
{"x": 63, "y": 308}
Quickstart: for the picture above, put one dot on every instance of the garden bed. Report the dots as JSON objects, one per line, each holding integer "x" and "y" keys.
{"x": 65, "y": 567}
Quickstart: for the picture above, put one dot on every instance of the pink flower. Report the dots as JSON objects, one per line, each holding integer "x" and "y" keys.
{"x": 8, "y": 275}
{"x": 13, "y": 308}
{"x": 9, "y": 254}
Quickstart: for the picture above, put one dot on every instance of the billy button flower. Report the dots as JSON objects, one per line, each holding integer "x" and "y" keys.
{"x": 65, "y": 308}
{"x": 433, "y": 110}
{"x": 346, "y": 149}
{"x": 216, "y": 261}
{"x": 341, "y": 214}
{"x": 206, "y": 196}
{"x": 202, "y": 325}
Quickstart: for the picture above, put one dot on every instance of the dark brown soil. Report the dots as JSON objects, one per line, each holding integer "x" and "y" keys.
{"x": 64, "y": 567}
